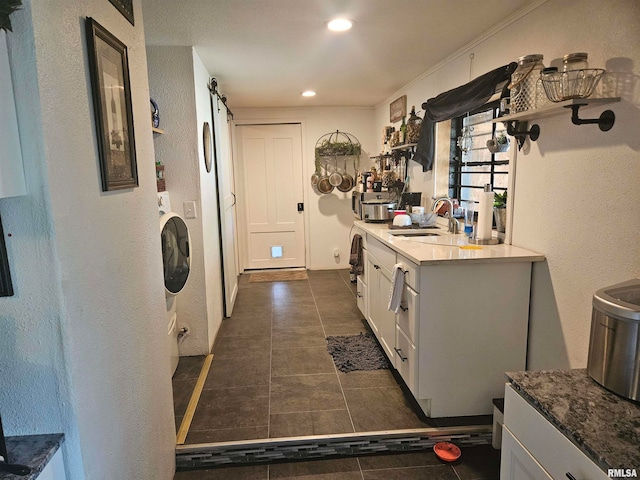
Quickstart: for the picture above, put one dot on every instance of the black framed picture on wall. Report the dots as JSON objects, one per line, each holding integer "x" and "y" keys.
{"x": 125, "y": 7}
{"x": 109, "y": 69}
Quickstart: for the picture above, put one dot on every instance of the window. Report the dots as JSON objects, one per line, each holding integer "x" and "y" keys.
{"x": 470, "y": 171}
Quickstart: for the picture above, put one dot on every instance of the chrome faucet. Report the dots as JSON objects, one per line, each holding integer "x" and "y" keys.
{"x": 454, "y": 225}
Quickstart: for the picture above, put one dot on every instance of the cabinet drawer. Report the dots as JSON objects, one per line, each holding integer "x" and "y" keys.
{"x": 405, "y": 361}
{"x": 361, "y": 296}
{"x": 384, "y": 255}
{"x": 408, "y": 314}
{"x": 516, "y": 462}
{"x": 411, "y": 272}
{"x": 551, "y": 449}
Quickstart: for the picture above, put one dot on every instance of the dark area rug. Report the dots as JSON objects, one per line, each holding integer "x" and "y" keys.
{"x": 356, "y": 352}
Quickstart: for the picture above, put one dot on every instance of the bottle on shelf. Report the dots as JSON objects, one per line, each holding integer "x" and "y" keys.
{"x": 403, "y": 132}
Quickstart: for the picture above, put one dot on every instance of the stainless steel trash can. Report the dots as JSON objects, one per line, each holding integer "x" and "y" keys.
{"x": 614, "y": 345}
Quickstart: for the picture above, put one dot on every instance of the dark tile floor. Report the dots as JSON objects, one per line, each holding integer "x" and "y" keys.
{"x": 272, "y": 376}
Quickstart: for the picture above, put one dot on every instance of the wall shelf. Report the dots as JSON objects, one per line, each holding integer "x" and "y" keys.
{"x": 517, "y": 123}
{"x": 554, "y": 109}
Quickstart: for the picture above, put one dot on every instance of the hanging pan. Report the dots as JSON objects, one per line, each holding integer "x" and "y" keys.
{"x": 347, "y": 180}
{"x": 316, "y": 175}
{"x": 335, "y": 178}
{"x": 324, "y": 186}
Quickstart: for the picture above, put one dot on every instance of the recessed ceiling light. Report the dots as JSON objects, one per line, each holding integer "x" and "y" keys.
{"x": 339, "y": 25}
{"x": 309, "y": 93}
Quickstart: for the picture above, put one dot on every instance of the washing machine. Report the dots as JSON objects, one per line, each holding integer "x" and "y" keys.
{"x": 176, "y": 265}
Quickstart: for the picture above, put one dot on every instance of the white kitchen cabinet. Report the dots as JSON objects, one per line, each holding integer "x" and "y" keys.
{"x": 534, "y": 448}
{"x": 362, "y": 294}
{"x": 516, "y": 463}
{"x": 460, "y": 326}
{"x": 406, "y": 358}
{"x": 381, "y": 320}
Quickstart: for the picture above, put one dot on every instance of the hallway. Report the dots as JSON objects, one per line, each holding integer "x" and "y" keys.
{"x": 272, "y": 376}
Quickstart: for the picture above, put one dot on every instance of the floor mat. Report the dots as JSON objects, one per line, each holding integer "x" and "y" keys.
{"x": 356, "y": 352}
{"x": 278, "y": 276}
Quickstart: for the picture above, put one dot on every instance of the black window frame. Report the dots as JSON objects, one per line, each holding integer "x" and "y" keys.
{"x": 455, "y": 163}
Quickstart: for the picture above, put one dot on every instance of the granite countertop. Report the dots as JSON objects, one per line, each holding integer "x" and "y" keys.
{"x": 445, "y": 247}
{"x": 605, "y": 426}
{"x": 35, "y": 451}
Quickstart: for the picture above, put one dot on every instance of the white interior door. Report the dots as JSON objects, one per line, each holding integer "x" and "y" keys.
{"x": 227, "y": 203}
{"x": 270, "y": 157}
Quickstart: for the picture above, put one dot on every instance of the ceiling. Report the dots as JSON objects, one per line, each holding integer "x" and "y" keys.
{"x": 265, "y": 53}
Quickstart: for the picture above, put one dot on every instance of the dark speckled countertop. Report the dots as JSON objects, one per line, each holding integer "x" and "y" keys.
{"x": 603, "y": 425}
{"x": 35, "y": 451}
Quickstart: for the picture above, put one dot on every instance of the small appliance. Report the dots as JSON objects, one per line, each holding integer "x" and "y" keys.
{"x": 357, "y": 198}
{"x": 614, "y": 346}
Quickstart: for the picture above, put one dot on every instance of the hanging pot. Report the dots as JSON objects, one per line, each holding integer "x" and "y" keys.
{"x": 324, "y": 186}
{"x": 335, "y": 178}
{"x": 347, "y": 180}
{"x": 316, "y": 175}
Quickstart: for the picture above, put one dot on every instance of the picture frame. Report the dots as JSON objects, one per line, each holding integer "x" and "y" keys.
{"x": 6, "y": 287}
{"x": 125, "y": 7}
{"x": 109, "y": 71}
{"x": 398, "y": 109}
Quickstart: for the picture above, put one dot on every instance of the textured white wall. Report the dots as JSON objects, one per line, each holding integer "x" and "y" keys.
{"x": 576, "y": 186}
{"x": 178, "y": 82}
{"x": 85, "y": 352}
{"x": 328, "y": 217}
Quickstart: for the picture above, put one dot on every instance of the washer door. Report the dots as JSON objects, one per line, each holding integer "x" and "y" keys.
{"x": 176, "y": 258}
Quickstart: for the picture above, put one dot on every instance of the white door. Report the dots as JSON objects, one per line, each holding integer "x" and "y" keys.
{"x": 226, "y": 202}
{"x": 270, "y": 160}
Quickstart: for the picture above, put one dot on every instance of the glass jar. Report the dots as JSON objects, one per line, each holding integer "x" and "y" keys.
{"x": 575, "y": 61}
{"x": 414, "y": 124}
{"x": 526, "y": 87}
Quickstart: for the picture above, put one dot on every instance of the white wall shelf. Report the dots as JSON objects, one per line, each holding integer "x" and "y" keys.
{"x": 555, "y": 109}
{"x": 517, "y": 123}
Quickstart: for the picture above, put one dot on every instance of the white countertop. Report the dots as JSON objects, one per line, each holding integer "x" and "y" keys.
{"x": 445, "y": 247}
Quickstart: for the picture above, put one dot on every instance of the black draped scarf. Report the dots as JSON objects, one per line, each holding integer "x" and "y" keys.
{"x": 454, "y": 103}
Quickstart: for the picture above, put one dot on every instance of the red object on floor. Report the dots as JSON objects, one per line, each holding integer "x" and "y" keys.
{"x": 447, "y": 451}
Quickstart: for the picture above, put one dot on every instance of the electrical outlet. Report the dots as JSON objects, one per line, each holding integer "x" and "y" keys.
{"x": 189, "y": 208}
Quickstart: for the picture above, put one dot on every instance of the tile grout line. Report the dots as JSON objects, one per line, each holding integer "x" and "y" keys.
{"x": 334, "y": 366}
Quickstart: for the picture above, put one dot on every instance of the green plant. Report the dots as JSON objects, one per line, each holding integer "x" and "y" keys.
{"x": 329, "y": 149}
{"x": 500, "y": 199}
{"x": 7, "y": 7}
{"x": 501, "y": 138}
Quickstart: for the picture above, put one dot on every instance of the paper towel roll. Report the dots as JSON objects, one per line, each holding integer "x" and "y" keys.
{"x": 485, "y": 216}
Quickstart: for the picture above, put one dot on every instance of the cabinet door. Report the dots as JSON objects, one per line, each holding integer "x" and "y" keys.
{"x": 361, "y": 296}
{"x": 386, "y": 319}
{"x": 371, "y": 278}
{"x": 516, "y": 463}
{"x": 408, "y": 313}
{"x": 405, "y": 361}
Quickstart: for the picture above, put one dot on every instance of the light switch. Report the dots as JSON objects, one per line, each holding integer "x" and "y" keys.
{"x": 190, "y": 209}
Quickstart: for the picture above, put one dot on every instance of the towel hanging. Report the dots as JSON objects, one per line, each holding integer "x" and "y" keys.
{"x": 397, "y": 284}
{"x": 355, "y": 257}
